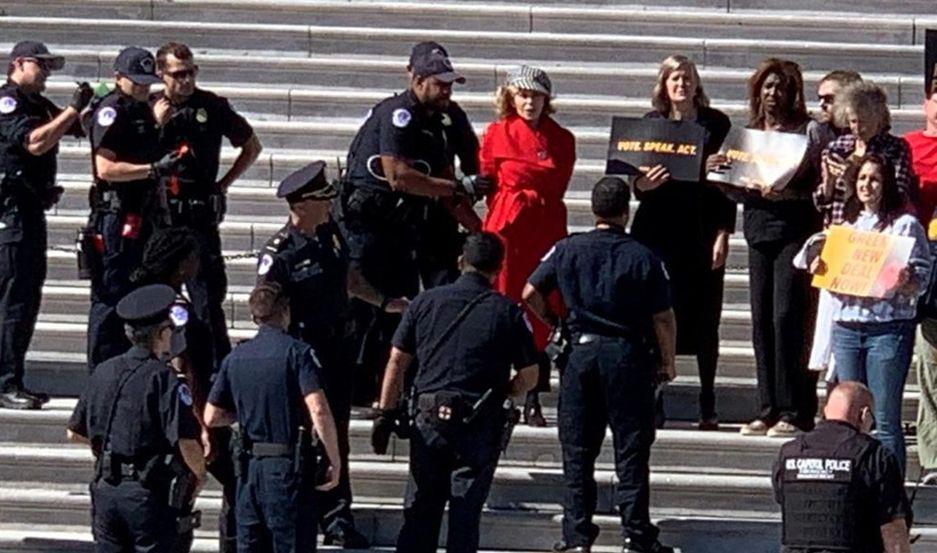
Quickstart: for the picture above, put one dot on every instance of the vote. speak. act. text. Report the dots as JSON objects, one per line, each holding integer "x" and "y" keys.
{"x": 656, "y": 146}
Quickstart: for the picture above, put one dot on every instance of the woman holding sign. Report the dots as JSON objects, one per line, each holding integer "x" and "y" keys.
{"x": 531, "y": 158}
{"x": 777, "y": 220}
{"x": 687, "y": 224}
{"x": 873, "y": 337}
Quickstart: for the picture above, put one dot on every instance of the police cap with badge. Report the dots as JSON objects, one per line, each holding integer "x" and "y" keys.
{"x": 308, "y": 183}
{"x": 146, "y": 306}
{"x": 137, "y": 64}
{"x": 31, "y": 49}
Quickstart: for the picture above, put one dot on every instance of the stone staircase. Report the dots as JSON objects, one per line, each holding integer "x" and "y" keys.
{"x": 305, "y": 72}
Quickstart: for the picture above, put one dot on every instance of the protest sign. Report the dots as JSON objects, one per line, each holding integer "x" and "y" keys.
{"x": 637, "y": 144}
{"x": 863, "y": 263}
{"x": 760, "y": 159}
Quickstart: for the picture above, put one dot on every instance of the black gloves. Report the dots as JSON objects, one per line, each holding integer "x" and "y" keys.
{"x": 384, "y": 425}
{"x": 173, "y": 162}
{"x": 474, "y": 186}
{"x": 81, "y": 97}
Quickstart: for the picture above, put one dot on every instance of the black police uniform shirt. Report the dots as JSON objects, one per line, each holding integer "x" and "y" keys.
{"x": 816, "y": 457}
{"x": 264, "y": 381}
{"x": 192, "y": 338}
{"x": 126, "y": 127}
{"x": 461, "y": 139}
{"x": 313, "y": 272}
{"x": 399, "y": 127}
{"x": 611, "y": 284}
{"x": 479, "y": 353}
{"x": 200, "y": 123}
{"x": 153, "y": 410}
{"x": 20, "y": 114}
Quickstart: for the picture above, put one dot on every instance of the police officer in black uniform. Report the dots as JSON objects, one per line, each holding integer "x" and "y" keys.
{"x": 440, "y": 242}
{"x": 839, "y": 488}
{"x": 270, "y": 386}
{"x": 397, "y": 163}
{"x": 137, "y": 417}
{"x": 196, "y": 119}
{"x": 125, "y": 208}
{"x": 308, "y": 258}
{"x": 466, "y": 338}
{"x": 30, "y": 130}
{"x": 623, "y": 332}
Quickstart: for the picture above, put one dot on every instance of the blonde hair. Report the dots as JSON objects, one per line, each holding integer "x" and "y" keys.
{"x": 504, "y": 102}
{"x": 659, "y": 98}
{"x": 865, "y": 99}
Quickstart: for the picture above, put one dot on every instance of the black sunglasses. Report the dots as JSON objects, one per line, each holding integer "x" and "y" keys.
{"x": 183, "y": 73}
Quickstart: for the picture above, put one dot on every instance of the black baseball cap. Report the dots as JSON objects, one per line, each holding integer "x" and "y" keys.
{"x": 430, "y": 59}
{"x": 37, "y": 50}
{"x": 137, "y": 64}
{"x": 307, "y": 183}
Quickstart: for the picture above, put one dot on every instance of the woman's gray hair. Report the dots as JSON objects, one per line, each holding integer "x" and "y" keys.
{"x": 659, "y": 98}
{"x": 866, "y": 100}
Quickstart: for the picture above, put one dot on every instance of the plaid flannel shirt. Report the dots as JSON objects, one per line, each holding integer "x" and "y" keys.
{"x": 884, "y": 144}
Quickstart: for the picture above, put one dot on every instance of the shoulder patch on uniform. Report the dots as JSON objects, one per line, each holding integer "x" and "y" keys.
{"x": 201, "y": 115}
{"x": 548, "y": 254}
{"x": 7, "y": 105}
{"x": 107, "y": 116}
{"x": 265, "y": 263}
{"x": 401, "y": 118}
{"x": 185, "y": 395}
{"x": 179, "y": 315}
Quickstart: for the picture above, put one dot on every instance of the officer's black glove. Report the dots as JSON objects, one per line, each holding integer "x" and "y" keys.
{"x": 173, "y": 162}
{"x": 81, "y": 97}
{"x": 380, "y": 434}
{"x": 475, "y": 186}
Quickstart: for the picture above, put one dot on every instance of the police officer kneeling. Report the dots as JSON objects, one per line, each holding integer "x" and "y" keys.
{"x": 839, "y": 488}
{"x": 466, "y": 337}
{"x": 623, "y": 332}
{"x": 270, "y": 386}
{"x": 137, "y": 417}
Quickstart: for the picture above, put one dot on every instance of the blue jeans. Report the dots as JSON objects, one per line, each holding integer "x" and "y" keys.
{"x": 878, "y": 355}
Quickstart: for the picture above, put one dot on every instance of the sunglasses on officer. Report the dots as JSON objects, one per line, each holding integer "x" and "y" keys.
{"x": 42, "y": 64}
{"x": 186, "y": 73}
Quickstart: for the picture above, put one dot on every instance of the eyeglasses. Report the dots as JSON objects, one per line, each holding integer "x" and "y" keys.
{"x": 183, "y": 73}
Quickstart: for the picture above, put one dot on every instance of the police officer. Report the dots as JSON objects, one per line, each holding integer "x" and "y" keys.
{"x": 623, "y": 331}
{"x": 198, "y": 120}
{"x": 125, "y": 209}
{"x": 30, "y": 130}
{"x": 308, "y": 258}
{"x": 270, "y": 386}
{"x": 171, "y": 257}
{"x": 440, "y": 242}
{"x": 397, "y": 163}
{"x": 466, "y": 338}
{"x": 137, "y": 417}
{"x": 839, "y": 488}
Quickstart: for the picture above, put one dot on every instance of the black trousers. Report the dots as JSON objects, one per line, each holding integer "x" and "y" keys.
{"x": 222, "y": 468}
{"x": 130, "y": 518}
{"x": 707, "y": 354}
{"x": 455, "y": 467}
{"x": 273, "y": 503}
{"x": 22, "y": 274}
{"x": 781, "y": 317}
{"x": 607, "y": 383}
{"x": 209, "y": 289}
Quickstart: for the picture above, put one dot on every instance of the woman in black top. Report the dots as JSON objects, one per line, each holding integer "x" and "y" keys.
{"x": 776, "y": 224}
{"x": 688, "y": 225}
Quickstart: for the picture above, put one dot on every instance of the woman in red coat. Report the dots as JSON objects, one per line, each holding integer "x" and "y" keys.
{"x": 531, "y": 158}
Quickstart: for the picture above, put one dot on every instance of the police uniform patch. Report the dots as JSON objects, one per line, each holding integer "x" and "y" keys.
{"x": 179, "y": 315}
{"x": 7, "y": 105}
{"x": 107, "y": 116}
{"x": 185, "y": 395}
{"x": 446, "y": 120}
{"x": 265, "y": 263}
{"x": 201, "y": 115}
{"x": 401, "y": 118}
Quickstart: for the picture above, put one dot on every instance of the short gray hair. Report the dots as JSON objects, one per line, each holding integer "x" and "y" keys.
{"x": 866, "y": 99}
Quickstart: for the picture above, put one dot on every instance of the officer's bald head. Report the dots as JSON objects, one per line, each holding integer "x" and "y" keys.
{"x": 847, "y": 402}
{"x": 610, "y": 197}
{"x": 483, "y": 252}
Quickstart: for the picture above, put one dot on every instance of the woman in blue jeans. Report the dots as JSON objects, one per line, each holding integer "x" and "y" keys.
{"x": 873, "y": 337}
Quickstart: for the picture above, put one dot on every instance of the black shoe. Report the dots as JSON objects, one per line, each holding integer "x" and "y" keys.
{"x": 40, "y": 397}
{"x": 18, "y": 399}
{"x": 346, "y": 537}
{"x": 562, "y": 547}
{"x": 656, "y": 547}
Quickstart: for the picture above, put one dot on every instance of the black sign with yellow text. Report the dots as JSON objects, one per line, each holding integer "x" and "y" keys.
{"x": 637, "y": 145}
{"x": 760, "y": 159}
